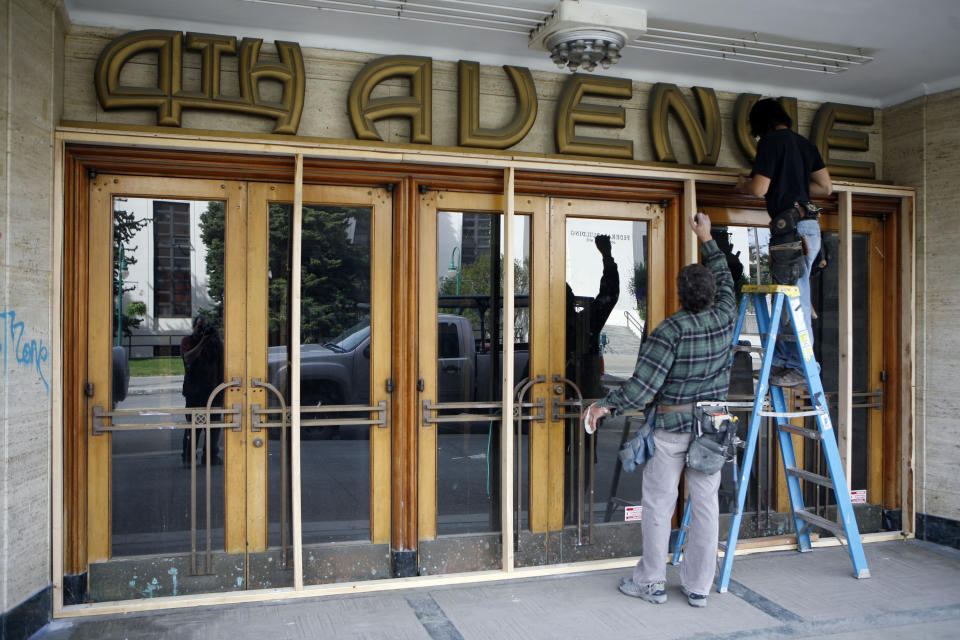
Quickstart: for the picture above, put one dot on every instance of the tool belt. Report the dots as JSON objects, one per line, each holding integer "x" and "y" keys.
{"x": 675, "y": 408}
{"x": 787, "y": 249}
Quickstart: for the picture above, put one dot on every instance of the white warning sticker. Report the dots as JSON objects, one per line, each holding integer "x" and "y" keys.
{"x": 632, "y": 513}
{"x": 858, "y": 496}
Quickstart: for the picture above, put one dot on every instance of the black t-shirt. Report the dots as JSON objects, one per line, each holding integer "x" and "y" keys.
{"x": 788, "y": 159}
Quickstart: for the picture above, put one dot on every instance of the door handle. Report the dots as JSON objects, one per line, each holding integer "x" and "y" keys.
{"x": 451, "y": 368}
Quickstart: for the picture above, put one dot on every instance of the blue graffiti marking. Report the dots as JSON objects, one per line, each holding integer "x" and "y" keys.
{"x": 26, "y": 352}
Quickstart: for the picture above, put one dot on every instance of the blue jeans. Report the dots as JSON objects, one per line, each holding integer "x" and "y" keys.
{"x": 786, "y": 354}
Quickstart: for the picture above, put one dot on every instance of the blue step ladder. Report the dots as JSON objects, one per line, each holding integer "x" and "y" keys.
{"x": 768, "y": 322}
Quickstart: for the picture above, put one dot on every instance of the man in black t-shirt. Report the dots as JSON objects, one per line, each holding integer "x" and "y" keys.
{"x": 787, "y": 171}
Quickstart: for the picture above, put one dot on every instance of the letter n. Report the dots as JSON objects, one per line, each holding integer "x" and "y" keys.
{"x": 417, "y": 106}
{"x": 703, "y": 137}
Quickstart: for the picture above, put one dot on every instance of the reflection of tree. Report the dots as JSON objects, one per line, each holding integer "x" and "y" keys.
{"x": 335, "y": 278}
{"x": 125, "y": 228}
{"x": 638, "y": 287}
{"x": 212, "y": 234}
{"x": 335, "y": 281}
{"x": 475, "y": 280}
{"x": 764, "y": 268}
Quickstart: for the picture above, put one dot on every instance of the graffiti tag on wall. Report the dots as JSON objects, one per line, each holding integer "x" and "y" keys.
{"x": 22, "y": 352}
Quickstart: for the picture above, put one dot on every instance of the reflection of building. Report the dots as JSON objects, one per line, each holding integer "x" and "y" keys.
{"x": 463, "y": 238}
{"x": 475, "y": 236}
{"x": 168, "y": 272}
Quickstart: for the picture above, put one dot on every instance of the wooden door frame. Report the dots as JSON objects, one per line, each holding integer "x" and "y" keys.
{"x": 655, "y": 214}
{"x": 103, "y": 189}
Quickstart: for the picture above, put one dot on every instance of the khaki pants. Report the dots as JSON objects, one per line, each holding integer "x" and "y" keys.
{"x": 660, "y": 479}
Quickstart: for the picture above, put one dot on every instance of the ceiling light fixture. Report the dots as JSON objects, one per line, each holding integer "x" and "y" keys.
{"x": 586, "y": 34}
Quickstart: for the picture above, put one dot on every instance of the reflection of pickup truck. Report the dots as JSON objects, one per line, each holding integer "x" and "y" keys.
{"x": 338, "y": 372}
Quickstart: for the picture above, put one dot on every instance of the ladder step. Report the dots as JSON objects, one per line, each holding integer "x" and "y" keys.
{"x": 792, "y": 414}
{"x": 823, "y": 523}
{"x": 823, "y": 481}
{"x": 813, "y": 434}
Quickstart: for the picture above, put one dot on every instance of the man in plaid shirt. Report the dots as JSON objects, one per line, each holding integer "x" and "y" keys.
{"x": 685, "y": 360}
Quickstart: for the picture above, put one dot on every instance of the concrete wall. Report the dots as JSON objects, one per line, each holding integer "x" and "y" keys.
{"x": 31, "y": 83}
{"x": 922, "y": 150}
{"x": 330, "y": 74}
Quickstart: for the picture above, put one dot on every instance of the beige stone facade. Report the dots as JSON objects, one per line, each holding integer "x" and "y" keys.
{"x": 30, "y": 108}
{"x": 922, "y": 150}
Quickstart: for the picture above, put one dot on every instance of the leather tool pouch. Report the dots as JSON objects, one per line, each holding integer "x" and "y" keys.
{"x": 712, "y": 445}
{"x": 786, "y": 261}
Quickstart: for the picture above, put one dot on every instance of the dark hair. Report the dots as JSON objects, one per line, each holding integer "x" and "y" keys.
{"x": 766, "y": 115}
{"x": 696, "y": 287}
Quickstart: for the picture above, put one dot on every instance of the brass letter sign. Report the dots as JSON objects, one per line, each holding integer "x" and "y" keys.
{"x": 169, "y": 97}
{"x": 364, "y": 110}
{"x": 571, "y": 112}
{"x": 367, "y": 102}
{"x": 469, "y": 130}
{"x": 826, "y": 137}
{"x": 704, "y": 138}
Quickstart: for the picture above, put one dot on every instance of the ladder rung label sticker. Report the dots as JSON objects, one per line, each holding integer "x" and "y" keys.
{"x": 632, "y": 513}
{"x": 806, "y": 346}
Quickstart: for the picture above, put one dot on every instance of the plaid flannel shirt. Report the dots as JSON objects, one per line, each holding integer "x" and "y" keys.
{"x": 686, "y": 358}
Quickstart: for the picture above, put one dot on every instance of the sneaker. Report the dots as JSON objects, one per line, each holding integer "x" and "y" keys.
{"x": 654, "y": 593}
{"x": 788, "y": 378}
{"x": 694, "y": 599}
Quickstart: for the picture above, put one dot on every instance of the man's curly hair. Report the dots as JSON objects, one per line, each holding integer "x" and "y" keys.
{"x": 696, "y": 287}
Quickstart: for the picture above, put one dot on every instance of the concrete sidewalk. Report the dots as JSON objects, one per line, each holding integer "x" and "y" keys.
{"x": 914, "y": 592}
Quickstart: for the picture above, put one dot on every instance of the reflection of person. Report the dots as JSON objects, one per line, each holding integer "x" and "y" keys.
{"x": 584, "y": 357}
{"x": 788, "y": 170}
{"x": 584, "y": 327}
{"x": 685, "y": 360}
{"x": 202, "y": 353}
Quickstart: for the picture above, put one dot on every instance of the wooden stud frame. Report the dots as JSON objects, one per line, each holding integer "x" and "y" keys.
{"x": 284, "y": 152}
{"x": 844, "y": 427}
